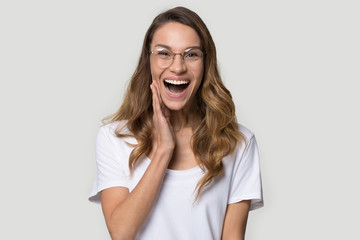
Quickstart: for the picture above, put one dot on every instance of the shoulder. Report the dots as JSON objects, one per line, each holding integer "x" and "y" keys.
{"x": 112, "y": 150}
{"x": 247, "y": 133}
{"x": 247, "y": 142}
{"x": 114, "y": 128}
{"x": 110, "y": 131}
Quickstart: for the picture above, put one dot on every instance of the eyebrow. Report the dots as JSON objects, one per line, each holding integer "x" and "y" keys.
{"x": 168, "y": 47}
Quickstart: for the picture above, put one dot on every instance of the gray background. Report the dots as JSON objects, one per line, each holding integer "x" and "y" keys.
{"x": 292, "y": 67}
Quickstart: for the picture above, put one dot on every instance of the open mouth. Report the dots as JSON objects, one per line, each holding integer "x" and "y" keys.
{"x": 176, "y": 86}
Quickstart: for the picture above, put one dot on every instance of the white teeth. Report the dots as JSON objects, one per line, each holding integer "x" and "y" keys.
{"x": 176, "y": 82}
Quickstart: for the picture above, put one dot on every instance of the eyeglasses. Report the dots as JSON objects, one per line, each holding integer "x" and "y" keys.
{"x": 164, "y": 57}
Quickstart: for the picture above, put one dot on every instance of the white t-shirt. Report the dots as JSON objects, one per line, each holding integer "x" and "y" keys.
{"x": 175, "y": 215}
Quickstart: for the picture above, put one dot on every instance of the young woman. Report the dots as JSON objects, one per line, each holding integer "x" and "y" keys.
{"x": 173, "y": 163}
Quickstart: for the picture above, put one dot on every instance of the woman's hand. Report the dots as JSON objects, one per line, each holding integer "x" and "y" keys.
{"x": 126, "y": 211}
{"x": 165, "y": 137}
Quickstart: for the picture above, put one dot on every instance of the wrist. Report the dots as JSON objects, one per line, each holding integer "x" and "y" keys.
{"x": 165, "y": 146}
{"x": 164, "y": 151}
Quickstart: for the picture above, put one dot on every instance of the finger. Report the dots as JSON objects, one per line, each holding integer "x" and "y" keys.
{"x": 158, "y": 92}
{"x": 167, "y": 113}
{"x": 153, "y": 98}
{"x": 158, "y": 97}
{"x": 156, "y": 104}
{"x": 160, "y": 100}
{"x": 155, "y": 83}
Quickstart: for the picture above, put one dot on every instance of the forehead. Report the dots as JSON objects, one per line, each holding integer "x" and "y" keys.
{"x": 176, "y": 35}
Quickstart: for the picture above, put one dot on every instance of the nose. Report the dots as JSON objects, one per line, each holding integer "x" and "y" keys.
{"x": 178, "y": 64}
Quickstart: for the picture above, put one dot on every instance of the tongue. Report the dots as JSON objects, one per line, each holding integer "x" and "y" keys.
{"x": 177, "y": 88}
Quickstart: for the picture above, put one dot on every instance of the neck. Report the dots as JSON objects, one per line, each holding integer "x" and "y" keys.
{"x": 185, "y": 118}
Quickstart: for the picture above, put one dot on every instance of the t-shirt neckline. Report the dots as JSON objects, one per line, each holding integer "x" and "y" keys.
{"x": 189, "y": 171}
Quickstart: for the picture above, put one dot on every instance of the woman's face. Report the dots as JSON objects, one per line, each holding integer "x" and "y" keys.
{"x": 178, "y": 82}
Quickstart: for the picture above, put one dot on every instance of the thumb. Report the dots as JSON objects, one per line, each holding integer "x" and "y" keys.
{"x": 167, "y": 113}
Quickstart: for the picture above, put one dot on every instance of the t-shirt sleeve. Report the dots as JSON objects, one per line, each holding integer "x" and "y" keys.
{"x": 246, "y": 178}
{"x": 110, "y": 165}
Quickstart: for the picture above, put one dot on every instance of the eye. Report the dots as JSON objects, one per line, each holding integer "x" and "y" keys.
{"x": 193, "y": 54}
{"x": 163, "y": 53}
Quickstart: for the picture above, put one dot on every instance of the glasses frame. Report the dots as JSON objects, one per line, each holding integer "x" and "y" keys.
{"x": 182, "y": 55}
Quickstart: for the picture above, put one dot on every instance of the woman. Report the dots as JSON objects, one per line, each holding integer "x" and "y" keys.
{"x": 173, "y": 163}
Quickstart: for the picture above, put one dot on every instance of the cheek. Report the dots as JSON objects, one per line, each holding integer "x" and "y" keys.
{"x": 199, "y": 78}
{"x": 155, "y": 72}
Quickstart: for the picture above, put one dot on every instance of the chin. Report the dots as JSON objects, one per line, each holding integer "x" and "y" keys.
{"x": 174, "y": 106}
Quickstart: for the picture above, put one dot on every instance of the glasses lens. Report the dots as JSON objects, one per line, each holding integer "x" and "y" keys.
{"x": 193, "y": 55}
{"x": 163, "y": 57}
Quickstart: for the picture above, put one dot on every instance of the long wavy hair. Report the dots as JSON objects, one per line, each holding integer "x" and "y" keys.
{"x": 215, "y": 137}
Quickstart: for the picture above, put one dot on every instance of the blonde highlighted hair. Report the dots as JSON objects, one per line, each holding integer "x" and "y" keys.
{"x": 216, "y": 136}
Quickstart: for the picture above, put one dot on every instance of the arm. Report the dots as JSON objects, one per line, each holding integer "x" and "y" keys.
{"x": 125, "y": 212}
{"x": 235, "y": 221}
